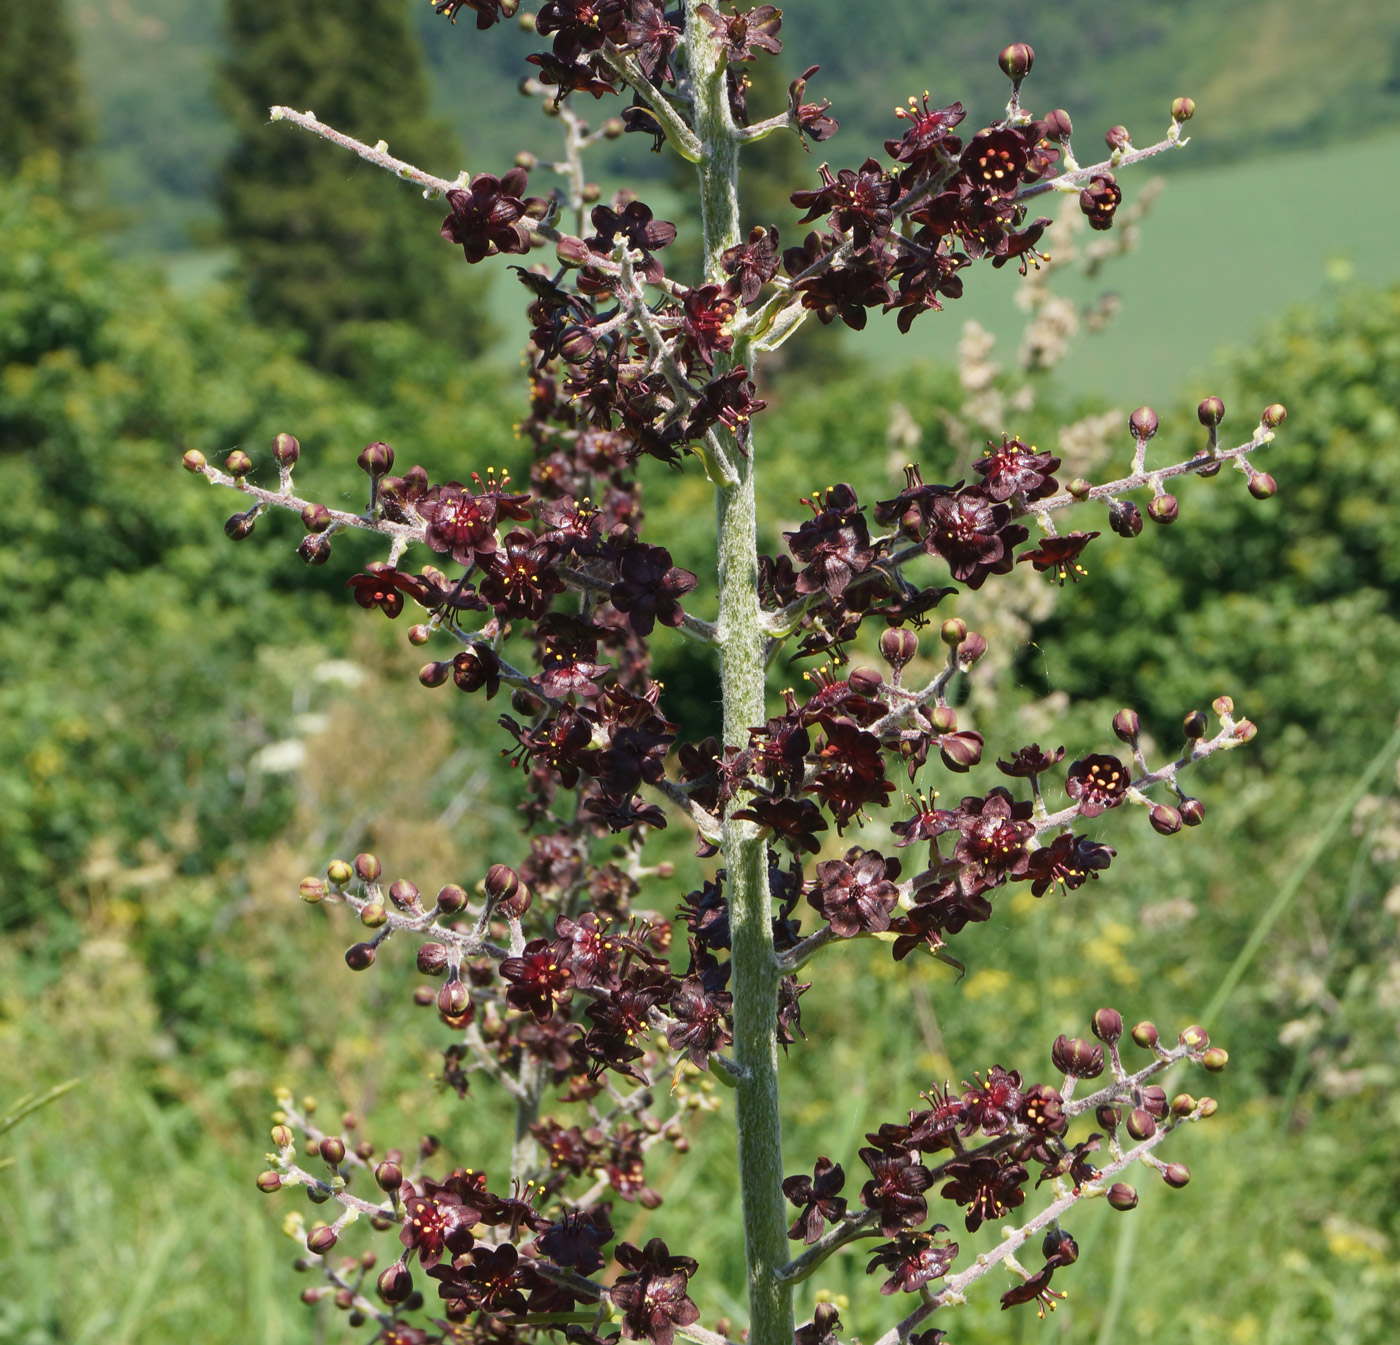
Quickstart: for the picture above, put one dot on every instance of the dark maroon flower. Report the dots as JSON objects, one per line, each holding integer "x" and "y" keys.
{"x": 649, "y": 587}
{"x": 753, "y": 263}
{"x": 991, "y": 1105}
{"x": 653, "y": 1295}
{"x": 380, "y": 586}
{"x": 491, "y": 1280}
{"x": 475, "y": 667}
{"x": 485, "y": 218}
{"x": 992, "y": 845}
{"x": 700, "y": 1021}
{"x": 822, "y": 1329}
{"x": 926, "y": 145}
{"x": 1014, "y": 468}
{"x": 438, "y": 1222}
{"x": 569, "y": 76}
{"x": 704, "y": 312}
{"x": 844, "y": 292}
{"x": 1060, "y": 556}
{"x": 1034, "y": 1290}
{"x": 811, "y": 118}
{"x": 641, "y": 231}
{"x": 925, "y": 274}
{"x": 834, "y": 544}
{"x": 935, "y": 1127}
{"x": 995, "y": 160}
{"x": 817, "y": 1198}
{"x": 1099, "y": 200}
{"x": 575, "y": 1239}
{"x": 1097, "y": 782}
{"x": 728, "y": 399}
{"x": 989, "y": 1187}
{"x": 859, "y": 202}
{"x": 539, "y": 980}
{"x": 647, "y": 32}
{"x": 794, "y": 820}
{"x": 856, "y": 894}
{"x": 895, "y": 1190}
{"x": 524, "y": 578}
{"x": 914, "y": 1259}
{"x": 1068, "y": 861}
{"x": 1030, "y": 762}
{"x": 850, "y": 771}
{"x": 487, "y": 11}
{"x": 1075, "y": 1164}
{"x": 742, "y": 34}
{"x": 973, "y": 534}
{"x": 559, "y": 742}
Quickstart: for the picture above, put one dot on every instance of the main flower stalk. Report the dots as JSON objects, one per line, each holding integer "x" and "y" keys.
{"x": 754, "y": 974}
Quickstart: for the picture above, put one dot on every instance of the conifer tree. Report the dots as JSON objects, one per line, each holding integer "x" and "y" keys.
{"x": 40, "y": 104}
{"x": 319, "y": 246}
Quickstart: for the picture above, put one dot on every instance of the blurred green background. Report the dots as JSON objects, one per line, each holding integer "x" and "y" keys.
{"x": 187, "y": 727}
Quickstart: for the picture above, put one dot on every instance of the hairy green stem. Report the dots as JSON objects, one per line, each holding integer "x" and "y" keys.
{"x": 740, "y": 637}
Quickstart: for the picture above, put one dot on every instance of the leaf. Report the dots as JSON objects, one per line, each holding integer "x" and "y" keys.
{"x": 31, "y": 1103}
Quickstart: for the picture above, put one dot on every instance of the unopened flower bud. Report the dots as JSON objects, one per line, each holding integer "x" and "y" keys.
{"x": 1176, "y": 1175}
{"x": 1079, "y": 488}
{"x": 525, "y": 21}
{"x": 403, "y": 894}
{"x": 1183, "y": 109}
{"x": 454, "y": 999}
{"x": 865, "y": 681}
{"x": 1140, "y": 1124}
{"x": 1122, "y": 1196}
{"x": 1110, "y": 1118}
{"x": 1016, "y": 61}
{"x": 395, "y": 1284}
{"x": 1117, "y": 137}
{"x": 420, "y": 634}
{"x": 1223, "y": 705}
{"x": 572, "y": 251}
{"x": 1193, "y": 812}
{"x": 373, "y": 914}
{"x": 424, "y": 995}
{"x": 524, "y": 159}
{"x": 1146, "y": 1035}
{"x": 898, "y": 646}
{"x": 1211, "y": 412}
{"x": 1058, "y": 125}
{"x": 1210, "y": 465}
{"x": 339, "y": 872}
{"x": 364, "y": 1151}
{"x": 576, "y": 344}
{"x": 1107, "y": 1025}
{"x": 388, "y": 1176}
{"x": 1194, "y": 1038}
{"x": 332, "y": 1150}
{"x": 612, "y": 128}
{"x": 1194, "y": 725}
{"x": 1207, "y": 1106}
{"x": 321, "y": 1240}
{"x": 367, "y": 868}
{"x": 1163, "y": 508}
{"x": 282, "y": 1136}
{"x": 312, "y": 890}
{"x": 1125, "y": 518}
{"x": 432, "y": 959}
{"x": 451, "y": 899}
{"x": 945, "y": 718}
{"x": 971, "y": 650}
{"x": 501, "y": 881}
{"x": 315, "y": 548}
{"x": 316, "y": 518}
{"x": 1165, "y": 819}
{"x": 953, "y": 631}
{"x": 238, "y": 463}
{"x": 268, "y": 1182}
{"x": 360, "y": 956}
{"x": 1262, "y": 486}
{"x": 1076, "y": 1057}
{"x": 240, "y": 526}
{"x": 286, "y": 450}
{"x": 194, "y": 461}
{"x": 1143, "y": 423}
{"x": 434, "y": 674}
{"x": 523, "y": 703}
{"x": 1183, "y": 1104}
{"x": 592, "y": 193}
{"x": 376, "y": 459}
{"x": 1127, "y": 725}
{"x": 1273, "y": 416}
{"x": 1154, "y": 1101}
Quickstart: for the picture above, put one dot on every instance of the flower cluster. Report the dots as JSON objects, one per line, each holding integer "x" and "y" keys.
{"x": 605, "y": 1004}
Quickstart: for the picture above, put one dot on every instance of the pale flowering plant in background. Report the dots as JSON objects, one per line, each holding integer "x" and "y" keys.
{"x": 609, "y": 1008}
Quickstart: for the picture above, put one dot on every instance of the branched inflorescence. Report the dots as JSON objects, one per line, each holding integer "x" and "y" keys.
{"x": 562, "y": 979}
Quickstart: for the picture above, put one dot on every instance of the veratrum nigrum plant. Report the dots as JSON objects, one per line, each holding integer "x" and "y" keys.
{"x": 557, "y": 981}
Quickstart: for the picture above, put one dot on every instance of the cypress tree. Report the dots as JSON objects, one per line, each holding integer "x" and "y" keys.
{"x": 323, "y": 241}
{"x": 40, "y": 101}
